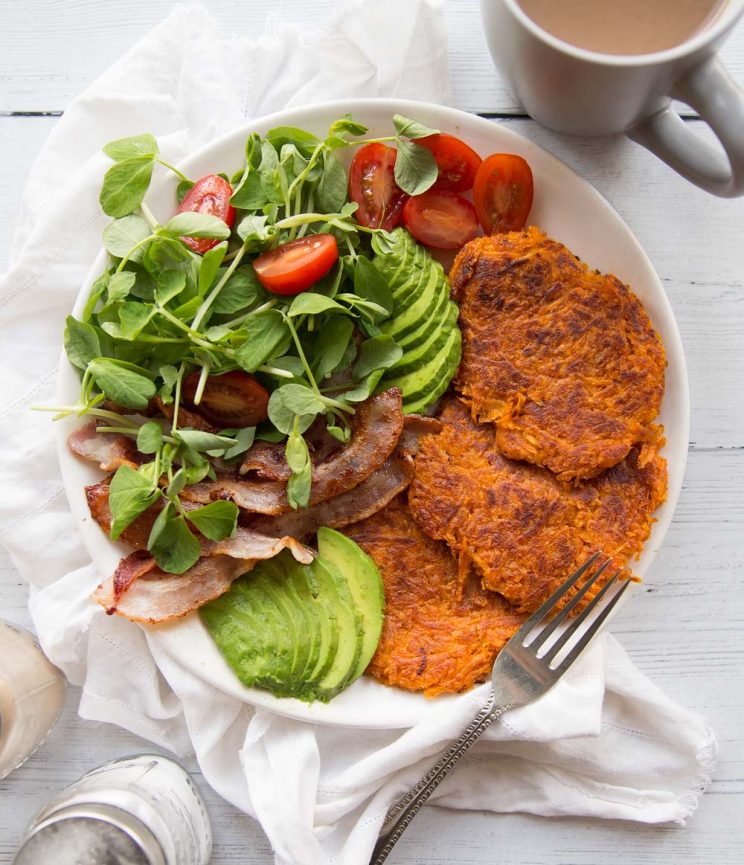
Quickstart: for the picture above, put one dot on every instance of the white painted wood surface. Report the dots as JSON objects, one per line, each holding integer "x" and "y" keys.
{"x": 685, "y": 631}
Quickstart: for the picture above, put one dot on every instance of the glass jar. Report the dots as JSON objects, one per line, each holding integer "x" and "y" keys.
{"x": 32, "y": 692}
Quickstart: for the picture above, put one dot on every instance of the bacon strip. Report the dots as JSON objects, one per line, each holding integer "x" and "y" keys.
{"x": 140, "y": 591}
{"x": 377, "y": 427}
{"x": 109, "y": 450}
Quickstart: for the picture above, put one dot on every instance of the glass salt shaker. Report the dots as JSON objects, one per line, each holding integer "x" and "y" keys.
{"x": 32, "y": 692}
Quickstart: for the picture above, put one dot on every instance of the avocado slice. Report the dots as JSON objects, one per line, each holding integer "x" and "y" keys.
{"x": 327, "y": 625}
{"x": 423, "y": 331}
{"x": 349, "y": 623}
{"x": 288, "y": 577}
{"x": 412, "y": 284}
{"x": 392, "y": 263}
{"x": 418, "y": 386}
{"x": 410, "y": 318}
{"x": 418, "y": 356}
{"x": 249, "y": 632}
{"x": 365, "y": 585}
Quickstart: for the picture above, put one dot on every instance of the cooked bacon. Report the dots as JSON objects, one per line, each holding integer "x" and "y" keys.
{"x": 266, "y": 460}
{"x": 415, "y": 426}
{"x": 109, "y": 450}
{"x": 137, "y": 532}
{"x": 362, "y": 501}
{"x": 139, "y": 590}
{"x": 376, "y": 430}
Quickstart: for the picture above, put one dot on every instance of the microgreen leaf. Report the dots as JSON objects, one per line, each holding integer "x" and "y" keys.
{"x": 411, "y": 128}
{"x": 81, "y": 342}
{"x": 267, "y": 336}
{"x": 310, "y": 303}
{"x": 215, "y": 521}
{"x": 330, "y": 193}
{"x": 192, "y": 224}
{"x": 244, "y": 438}
{"x": 170, "y": 283}
{"x": 330, "y": 345}
{"x": 202, "y": 441}
{"x": 255, "y": 231}
{"x": 182, "y": 188}
{"x": 210, "y": 265}
{"x": 136, "y": 145}
{"x": 415, "y": 168}
{"x": 133, "y": 318}
{"x": 370, "y": 284}
{"x": 302, "y": 140}
{"x": 121, "y": 382}
{"x": 125, "y": 185}
{"x": 130, "y": 494}
{"x": 346, "y": 126}
{"x": 365, "y": 389}
{"x": 120, "y": 236}
{"x": 241, "y": 291}
{"x": 294, "y": 400}
{"x": 300, "y": 481}
{"x": 149, "y": 437}
{"x": 380, "y": 352}
{"x": 172, "y": 543}
{"x": 120, "y": 285}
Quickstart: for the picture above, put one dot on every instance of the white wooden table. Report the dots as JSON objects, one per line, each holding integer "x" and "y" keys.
{"x": 686, "y": 632}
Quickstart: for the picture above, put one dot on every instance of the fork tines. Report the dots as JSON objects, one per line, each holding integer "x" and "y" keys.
{"x": 585, "y": 624}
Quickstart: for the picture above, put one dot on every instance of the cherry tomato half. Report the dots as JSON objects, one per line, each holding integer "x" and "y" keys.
{"x": 457, "y": 163}
{"x": 372, "y": 186}
{"x": 441, "y": 219}
{"x": 503, "y": 192}
{"x": 209, "y": 195}
{"x": 296, "y": 265}
{"x": 232, "y": 400}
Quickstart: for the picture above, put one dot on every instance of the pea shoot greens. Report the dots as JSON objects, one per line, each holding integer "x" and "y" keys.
{"x": 160, "y": 313}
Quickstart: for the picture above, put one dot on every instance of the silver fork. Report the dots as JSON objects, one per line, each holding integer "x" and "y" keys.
{"x": 520, "y": 676}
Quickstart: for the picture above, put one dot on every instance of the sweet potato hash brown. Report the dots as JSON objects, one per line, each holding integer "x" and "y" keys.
{"x": 523, "y": 529}
{"x": 438, "y": 636}
{"x": 562, "y": 359}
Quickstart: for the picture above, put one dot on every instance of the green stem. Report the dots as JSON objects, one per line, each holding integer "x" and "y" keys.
{"x": 149, "y": 215}
{"x": 301, "y": 353}
{"x": 209, "y": 300}
{"x": 136, "y": 246}
{"x": 275, "y": 371}
{"x": 204, "y": 375}
{"x": 173, "y": 169}
{"x": 270, "y": 304}
{"x": 177, "y": 397}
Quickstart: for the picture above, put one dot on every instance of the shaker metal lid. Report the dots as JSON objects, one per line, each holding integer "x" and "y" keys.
{"x": 90, "y": 836}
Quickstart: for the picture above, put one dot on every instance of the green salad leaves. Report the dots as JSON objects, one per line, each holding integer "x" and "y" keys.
{"x": 160, "y": 313}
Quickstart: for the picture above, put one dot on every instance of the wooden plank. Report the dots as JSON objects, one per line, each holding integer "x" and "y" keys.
{"x": 41, "y": 71}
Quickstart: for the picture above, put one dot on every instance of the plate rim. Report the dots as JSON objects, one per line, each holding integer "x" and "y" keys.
{"x": 326, "y": 713}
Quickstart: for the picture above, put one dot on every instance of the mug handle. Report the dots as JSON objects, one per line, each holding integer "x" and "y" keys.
{"x": 710, "y": 90}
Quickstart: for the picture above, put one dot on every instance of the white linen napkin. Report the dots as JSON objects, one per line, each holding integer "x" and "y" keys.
{"x": 605, "y": 742}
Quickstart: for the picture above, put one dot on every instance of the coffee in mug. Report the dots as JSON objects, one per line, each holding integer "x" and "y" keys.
{"x": 623, "y": 26}
{"x": 603, "y": 67}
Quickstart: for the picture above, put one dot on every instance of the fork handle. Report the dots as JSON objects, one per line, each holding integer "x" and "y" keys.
{"x": 403, "y": 812}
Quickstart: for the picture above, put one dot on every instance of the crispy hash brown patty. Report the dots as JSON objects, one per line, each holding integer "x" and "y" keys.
{"x": 523, "y": 529}
{"x": 438, "y": 637}
{"x": 563, "y": 360}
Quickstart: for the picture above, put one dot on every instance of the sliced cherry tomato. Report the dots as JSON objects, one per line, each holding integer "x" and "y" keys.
{"x": 296, "y": 265}
{"x": 441, "y": 219}
{"x": 209, "y": 195}
{"x": 457, "y": 163}
{"x": 232, "y": 400}
{"x": 372, "y": 186}
{"x": 503, "y": 192}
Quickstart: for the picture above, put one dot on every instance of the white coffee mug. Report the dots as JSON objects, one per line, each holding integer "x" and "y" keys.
{"x": 583, "y": 92}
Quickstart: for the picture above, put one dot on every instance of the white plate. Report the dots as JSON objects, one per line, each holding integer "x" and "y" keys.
{"x": 568, "y": 209}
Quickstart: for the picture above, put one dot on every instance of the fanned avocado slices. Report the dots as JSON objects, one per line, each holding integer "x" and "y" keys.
{"x": 304, "y": 631}
{"x": 424, "y": 322}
